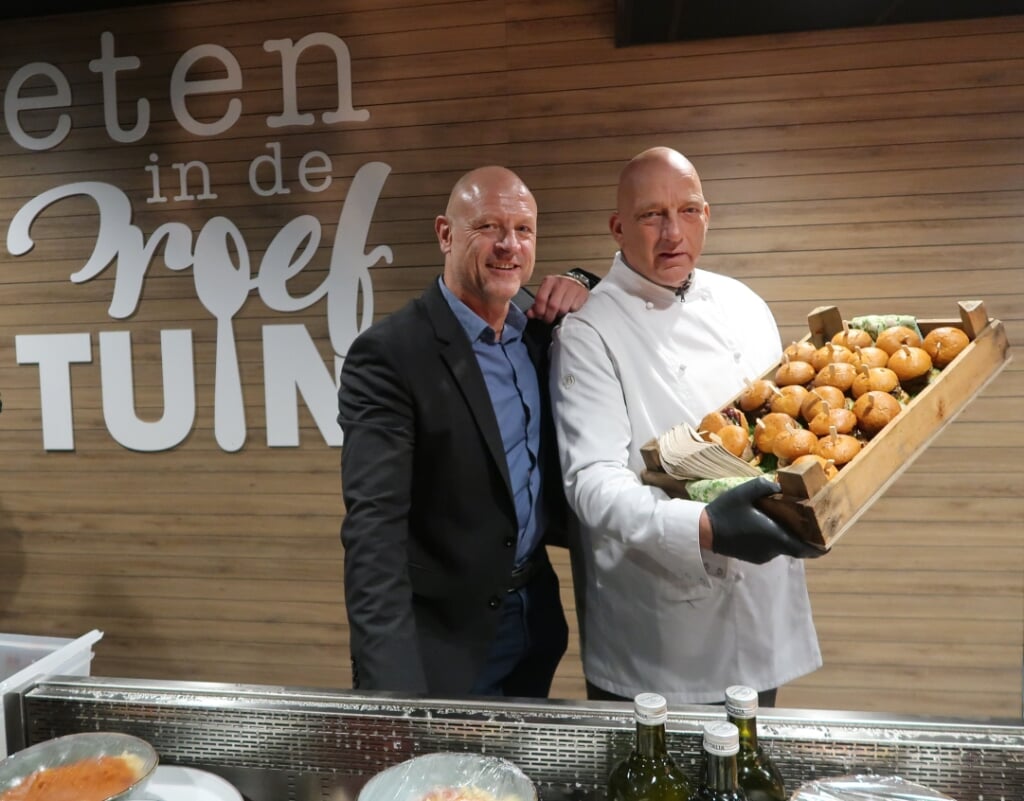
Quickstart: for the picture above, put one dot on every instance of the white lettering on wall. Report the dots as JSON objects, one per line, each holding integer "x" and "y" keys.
{"x": 55, "y": 353}
{"x": 306, "y": 168}
{"x": 14, "y": 104}
{"x": 222, "y": 284}
{"x": 290, "y": 58}
{"x": 273, "y": 162}
{"x": 182, "y": 88}
{"x": 179, "y": 407}
{"x": 223, "y": 271}
{"x": 292, "y": 365}
{"x": 222, "y": 287}
{"x": 117, "y": 240}
{"x": 108, "y": 66}
{"x": 184, "y": 168}
{"x": 347, "y": 286}
{"x": 153, "y": 168}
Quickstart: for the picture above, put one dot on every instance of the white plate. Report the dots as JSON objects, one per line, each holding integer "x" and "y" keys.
{"x": 174, "y": 783}
{"x": 413, "y": 779}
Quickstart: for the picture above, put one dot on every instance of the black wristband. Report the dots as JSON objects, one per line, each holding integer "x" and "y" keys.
{"x": 589, "y": 280}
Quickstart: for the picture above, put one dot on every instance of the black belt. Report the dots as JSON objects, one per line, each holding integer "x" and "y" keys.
{"x": 525, "y": 573}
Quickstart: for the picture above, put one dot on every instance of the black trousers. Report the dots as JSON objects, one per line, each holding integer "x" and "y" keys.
{"x": 532, "y": 637}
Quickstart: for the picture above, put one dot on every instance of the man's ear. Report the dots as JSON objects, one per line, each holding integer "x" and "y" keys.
{"x": 443, "y": 229}
{"x": 615, "y": 226}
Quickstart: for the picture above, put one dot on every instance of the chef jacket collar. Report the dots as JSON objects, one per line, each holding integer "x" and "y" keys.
{"x": 642, "y": 287}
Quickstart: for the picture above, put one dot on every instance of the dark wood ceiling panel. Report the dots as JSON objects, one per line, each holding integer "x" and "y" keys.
{"x": 648, "y": 21}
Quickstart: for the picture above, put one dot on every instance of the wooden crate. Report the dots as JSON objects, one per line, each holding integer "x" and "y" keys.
{"x": 821, "y": 511}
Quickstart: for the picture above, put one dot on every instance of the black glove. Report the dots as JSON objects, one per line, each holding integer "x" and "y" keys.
{"x": 741, "y": 530}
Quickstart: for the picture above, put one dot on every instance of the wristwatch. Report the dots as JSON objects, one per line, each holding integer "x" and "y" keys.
{"x": 589, "y": 280}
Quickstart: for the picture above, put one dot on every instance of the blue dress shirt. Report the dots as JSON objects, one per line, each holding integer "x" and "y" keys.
{"x": 512, "y": 384}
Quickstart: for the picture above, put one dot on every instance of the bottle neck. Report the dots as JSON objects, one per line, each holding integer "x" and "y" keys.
{"x": 720, "y": 772}
{"x": 651, "y": 740}
{"x": 748, "y": 732}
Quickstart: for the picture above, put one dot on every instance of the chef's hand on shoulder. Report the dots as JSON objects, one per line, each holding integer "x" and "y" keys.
{"x": 556, "y": 297}
{"x": 733, "y": 525}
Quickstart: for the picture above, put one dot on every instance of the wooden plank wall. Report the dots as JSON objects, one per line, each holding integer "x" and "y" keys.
{"x": 880, "y": 170}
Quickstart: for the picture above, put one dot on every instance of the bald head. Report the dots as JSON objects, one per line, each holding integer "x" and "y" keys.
{"x": 473, "y": 188}
{"x": 488, "y": 237}
{"x": 650, "y": 161}
{"x": 661, "y": 216}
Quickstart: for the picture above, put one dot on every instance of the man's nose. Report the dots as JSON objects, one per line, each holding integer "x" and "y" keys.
{"x": 671, "y": 226}
{"x": 508, "y": 240}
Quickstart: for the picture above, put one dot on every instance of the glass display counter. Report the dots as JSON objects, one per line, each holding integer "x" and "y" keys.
{"x": 295, "y": 744}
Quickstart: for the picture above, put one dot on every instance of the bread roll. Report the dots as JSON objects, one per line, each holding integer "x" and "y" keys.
{"x": 944, "y": 344}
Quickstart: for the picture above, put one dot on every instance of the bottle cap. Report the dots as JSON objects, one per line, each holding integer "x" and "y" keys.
{"x": 650, "y": 709}
{"x": 721, "y": 738}
{"x": 740, "y": 701}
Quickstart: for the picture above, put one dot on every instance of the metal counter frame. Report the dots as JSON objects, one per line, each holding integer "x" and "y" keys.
{"x": 295, "y": 744}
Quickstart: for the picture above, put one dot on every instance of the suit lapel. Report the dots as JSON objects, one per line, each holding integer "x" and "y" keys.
{"x": 457, "y": 353}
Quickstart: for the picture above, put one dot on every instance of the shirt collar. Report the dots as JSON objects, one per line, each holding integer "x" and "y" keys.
{"x": 473, "y": 324}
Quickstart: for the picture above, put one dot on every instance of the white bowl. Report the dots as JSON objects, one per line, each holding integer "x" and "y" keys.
{"x": 866, "y": 788}
{"x": 413, "y": 779}
{"x": 181, "y": 783}
{"x": 74, "y": 748}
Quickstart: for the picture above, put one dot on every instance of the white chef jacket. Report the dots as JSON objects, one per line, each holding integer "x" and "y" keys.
{"x": 658, "y": 613}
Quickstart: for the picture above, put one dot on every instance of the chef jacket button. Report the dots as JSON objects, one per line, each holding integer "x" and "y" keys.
{"x": 736, "y": 355}
{"x": 509, "y": 542}
{"x": 649, "y": 305}
{"x": 682, "y": 368}
{"x": 494, "y": 602}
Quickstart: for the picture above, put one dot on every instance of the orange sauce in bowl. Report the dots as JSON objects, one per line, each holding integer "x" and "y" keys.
{"x": 94, "y": 779}
{"x": 461, "y": 794}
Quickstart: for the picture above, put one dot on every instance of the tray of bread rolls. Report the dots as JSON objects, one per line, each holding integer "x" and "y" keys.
{"x": 845, "y": 412}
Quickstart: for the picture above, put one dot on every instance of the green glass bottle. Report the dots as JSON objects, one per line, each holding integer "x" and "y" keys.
{"x": 758, "y": 775}
{"x": 649, "y": 773}
{"x": 720, "y": 781}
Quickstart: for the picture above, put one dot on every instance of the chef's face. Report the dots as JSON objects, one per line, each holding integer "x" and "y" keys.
{"x": 488, "y": 236}
{"x": 661, "y": 220}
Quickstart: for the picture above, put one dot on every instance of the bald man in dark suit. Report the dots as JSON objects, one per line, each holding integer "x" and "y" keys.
{"x": 449, "y": 466}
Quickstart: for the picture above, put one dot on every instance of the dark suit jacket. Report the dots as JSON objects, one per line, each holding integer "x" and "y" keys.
{"x": 430, "y": 526}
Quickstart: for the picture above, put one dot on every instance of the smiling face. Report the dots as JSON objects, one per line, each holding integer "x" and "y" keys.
{"x": 488, "y": 236}
{"x": 662, "y": 216}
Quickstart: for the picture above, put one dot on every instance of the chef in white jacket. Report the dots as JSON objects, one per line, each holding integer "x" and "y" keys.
{"x": 674, "y": 596}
